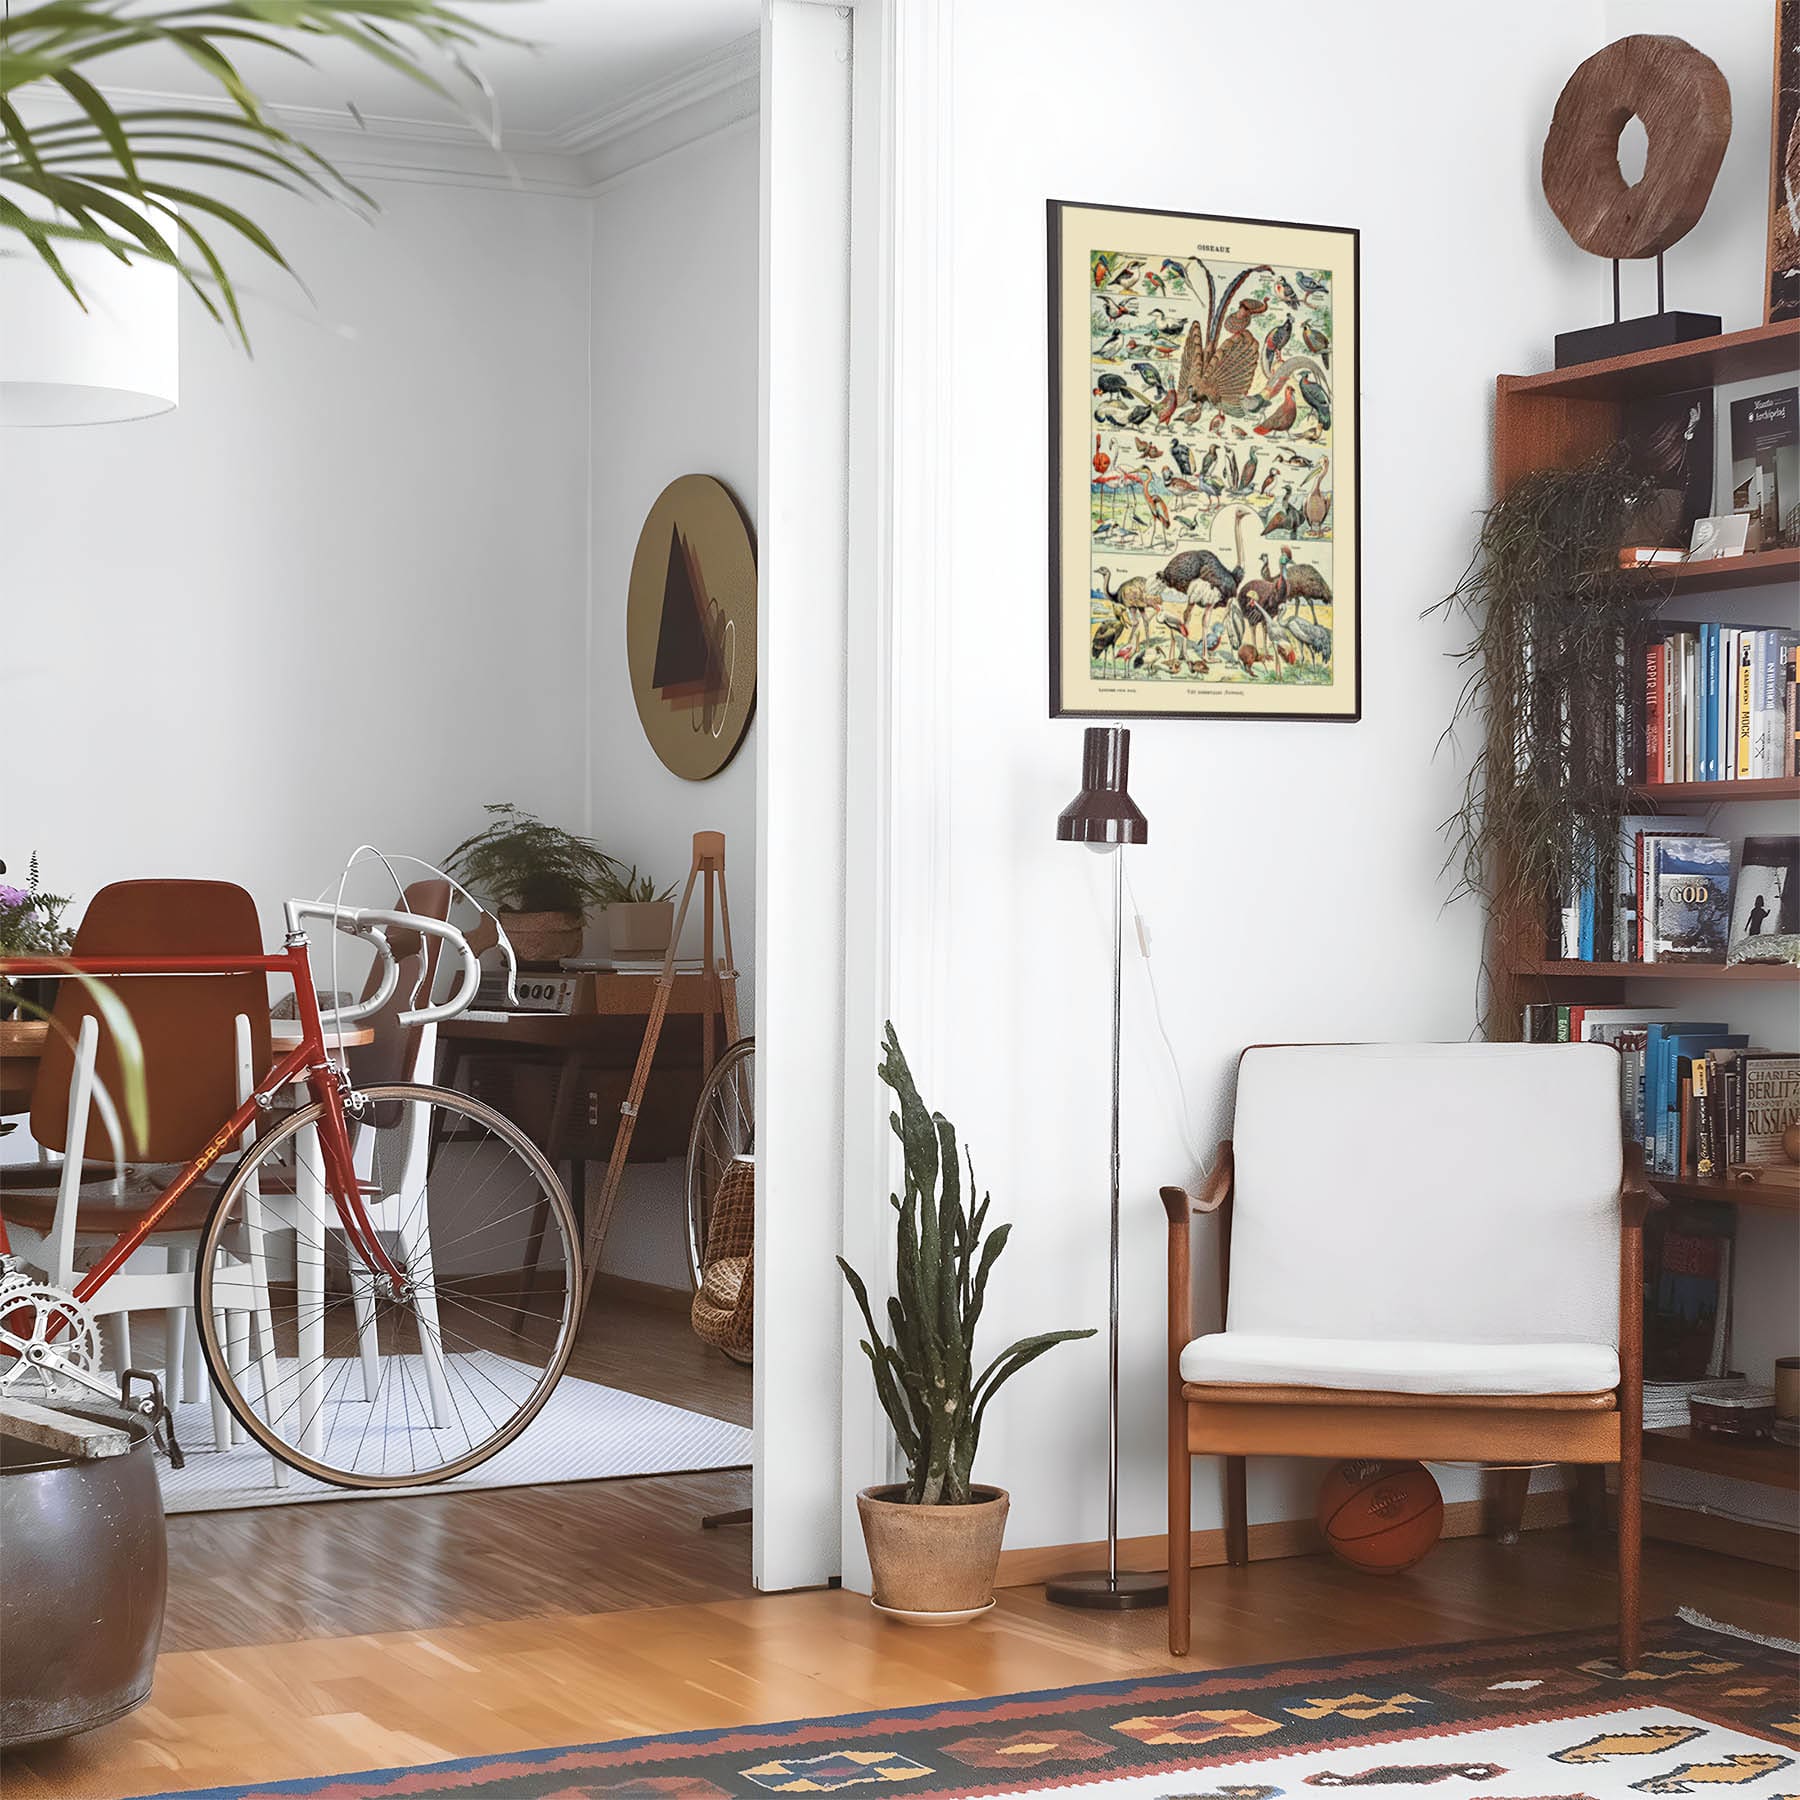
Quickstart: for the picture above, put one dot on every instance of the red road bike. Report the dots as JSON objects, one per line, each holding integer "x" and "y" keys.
{"x": 388, "y": 1279}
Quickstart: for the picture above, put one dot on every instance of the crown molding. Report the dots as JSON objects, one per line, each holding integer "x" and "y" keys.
{"x": 722, "y": 74}
{"x": 709, "y": 95}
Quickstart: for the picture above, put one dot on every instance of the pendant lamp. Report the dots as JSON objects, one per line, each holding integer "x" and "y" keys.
{"x": 59, "y": 365}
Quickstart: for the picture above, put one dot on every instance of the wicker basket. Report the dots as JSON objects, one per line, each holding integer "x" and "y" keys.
{"x": 722, "y": 1312}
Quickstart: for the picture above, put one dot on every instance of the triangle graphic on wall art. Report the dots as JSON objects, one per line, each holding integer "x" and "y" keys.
{"x": 686, "y": 667}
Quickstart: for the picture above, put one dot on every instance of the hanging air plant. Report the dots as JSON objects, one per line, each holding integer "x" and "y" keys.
{"x": 1549, "y": 679}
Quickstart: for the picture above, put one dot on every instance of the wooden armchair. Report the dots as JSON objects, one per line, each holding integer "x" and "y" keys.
{"x": 1428, "y": 1251}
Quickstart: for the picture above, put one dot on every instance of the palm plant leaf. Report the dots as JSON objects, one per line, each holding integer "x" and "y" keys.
{"x": 120, "y": 179}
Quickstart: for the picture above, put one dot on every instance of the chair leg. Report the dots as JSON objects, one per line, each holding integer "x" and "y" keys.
{"x": 1181, "y": 1537}
{"x": 368, "y": 1341}
{"x": 1630, "y": 1554}
{"x": 1237, "y": 1512}
{"x": 115, "y": 1334}
{"x": 1590, "y": 1499}
{"x": 1506, "y": 1501}
{"x": 175, "y": 1329}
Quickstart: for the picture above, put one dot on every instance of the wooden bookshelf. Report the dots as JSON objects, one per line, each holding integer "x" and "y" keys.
{"x": 1762, "y": 351}
{"x": 1712, "y": 793}
{"x": 1757, "y": 568}
{"x": 1743, "y": 1459}
{"x": 1562, "y": 417}
{"x": 1551, "y": 970}
{"x": 1765, "y": 1197}
{"x": 1558, "y": 420}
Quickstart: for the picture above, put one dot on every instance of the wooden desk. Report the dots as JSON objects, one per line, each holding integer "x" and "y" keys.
{"x": 561, "y": 1077}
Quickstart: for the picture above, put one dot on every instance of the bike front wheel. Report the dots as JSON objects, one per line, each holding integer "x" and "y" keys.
{"x": 344, "y": 1373}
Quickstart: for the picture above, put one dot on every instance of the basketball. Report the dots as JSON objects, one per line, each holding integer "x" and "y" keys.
{"x": 1380, "y": 1517}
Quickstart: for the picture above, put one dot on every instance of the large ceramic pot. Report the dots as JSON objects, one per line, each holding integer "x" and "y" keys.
{"x": 540, "y": 940}
{"x": 933, "y": 1565}
{"x": 85, "y": 1567}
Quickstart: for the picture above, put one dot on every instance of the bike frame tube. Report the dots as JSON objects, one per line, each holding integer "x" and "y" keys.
{"x": 308, "y": 1059}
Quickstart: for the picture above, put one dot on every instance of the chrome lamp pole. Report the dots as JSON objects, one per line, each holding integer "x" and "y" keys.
{"x": 1104, "y": 817}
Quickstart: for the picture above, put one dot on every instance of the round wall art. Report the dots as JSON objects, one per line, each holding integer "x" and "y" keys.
{"x": 690, "y": 626}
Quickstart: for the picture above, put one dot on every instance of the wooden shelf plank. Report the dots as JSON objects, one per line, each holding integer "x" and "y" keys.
{"x": 1758, "y": 1460}
{"x": 1764, "y": 350}
{"x": 1756, "y": 568}
{"x": 1770, "y": 1198}
{"x": 1657, "y": 971}
{"x": 1776, "y": 787}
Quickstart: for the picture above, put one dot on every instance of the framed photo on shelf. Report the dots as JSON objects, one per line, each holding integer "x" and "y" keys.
{"x": 1204, "y": 466}
{"x": 1783, "y": 296}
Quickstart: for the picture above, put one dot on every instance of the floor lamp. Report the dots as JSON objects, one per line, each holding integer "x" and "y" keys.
{"x": 1104, "y": 817}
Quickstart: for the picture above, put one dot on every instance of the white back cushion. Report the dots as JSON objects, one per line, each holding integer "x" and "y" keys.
{"x": 1457, "y": 1192}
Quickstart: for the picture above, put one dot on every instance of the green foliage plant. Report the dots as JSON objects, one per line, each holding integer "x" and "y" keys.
{"x": 925, "y": 1369}
{"x": 520, "y": 862}
{"x": 1549, "y": 681}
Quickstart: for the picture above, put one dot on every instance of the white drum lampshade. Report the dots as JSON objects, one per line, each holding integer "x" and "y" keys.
{"x": 61, "y": 366}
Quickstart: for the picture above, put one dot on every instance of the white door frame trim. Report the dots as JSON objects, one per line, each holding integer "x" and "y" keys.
{"x": 886, "y": 912}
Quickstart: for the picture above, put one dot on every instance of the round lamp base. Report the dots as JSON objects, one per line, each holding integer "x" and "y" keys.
{"x": 1099, "y": 1592}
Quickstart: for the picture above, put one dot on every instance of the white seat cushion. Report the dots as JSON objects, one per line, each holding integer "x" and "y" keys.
{"x": 1392, "y": 1366}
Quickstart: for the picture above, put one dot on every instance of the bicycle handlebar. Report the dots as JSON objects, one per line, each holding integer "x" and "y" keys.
{"x": 373, "y": 925}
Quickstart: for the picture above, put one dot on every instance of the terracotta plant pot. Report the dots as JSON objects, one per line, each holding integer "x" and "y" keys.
{"x": 542, "y": 939}
{"x": 934, "y": 1565}
{"x": 640, "y": 927}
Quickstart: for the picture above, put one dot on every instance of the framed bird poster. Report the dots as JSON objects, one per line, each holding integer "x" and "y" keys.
{"x": 1204, "y": 467}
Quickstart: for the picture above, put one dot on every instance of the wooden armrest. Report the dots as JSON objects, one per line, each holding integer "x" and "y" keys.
{"x": 1636, "y": 1196}
{"x": 1179, "y": 1204}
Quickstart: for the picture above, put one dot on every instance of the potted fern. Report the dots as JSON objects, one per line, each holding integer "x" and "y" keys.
{"x": 542, "y": 878}
{"x": 934, "y": 1539}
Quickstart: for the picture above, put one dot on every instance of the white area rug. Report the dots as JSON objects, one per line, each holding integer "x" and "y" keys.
{"x": 586, "y": 1432}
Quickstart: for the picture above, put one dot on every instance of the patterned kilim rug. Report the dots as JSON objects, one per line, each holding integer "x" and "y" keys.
{"x": 1544, "y": 1718}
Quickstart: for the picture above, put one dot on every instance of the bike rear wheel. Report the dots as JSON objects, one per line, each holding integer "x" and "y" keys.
{"x": 724, "y": 1127}
{"x": 334, "y": 1368}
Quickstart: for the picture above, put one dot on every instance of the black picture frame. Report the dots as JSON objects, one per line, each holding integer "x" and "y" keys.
{"x": 1344, "y": 432}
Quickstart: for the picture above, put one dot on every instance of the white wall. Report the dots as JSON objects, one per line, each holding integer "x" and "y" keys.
{"x": 376, "y": 528}
{"x": 674, "y": 348}
{"x": 1292, "y": 880}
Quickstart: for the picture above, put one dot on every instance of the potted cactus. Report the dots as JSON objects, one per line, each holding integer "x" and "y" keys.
{"x": 934, "y": 1539}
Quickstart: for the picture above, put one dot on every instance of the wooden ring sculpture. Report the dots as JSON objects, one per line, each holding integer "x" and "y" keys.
{"x": 1685, "y": 104}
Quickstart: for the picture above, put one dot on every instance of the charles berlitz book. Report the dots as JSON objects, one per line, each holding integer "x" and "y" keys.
{"x": 1690, "y": 884}
{"x": 1765, "y": 457}
{"x": 1770, "y": 1098}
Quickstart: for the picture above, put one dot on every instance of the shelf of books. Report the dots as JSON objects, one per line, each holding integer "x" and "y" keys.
{"x": 1680, "y": 955}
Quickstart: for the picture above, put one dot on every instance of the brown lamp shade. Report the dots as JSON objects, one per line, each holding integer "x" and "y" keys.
{"x": 1103, "y": 812}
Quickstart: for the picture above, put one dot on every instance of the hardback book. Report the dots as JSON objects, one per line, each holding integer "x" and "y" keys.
{"x": 1770, "y": 652}
{"x": 1632, "y": 828}
{"x": 1687, "y": 1301}
{"x": 1766, "y": 897}
{"x": 1689, "y": 881}
{"x": 1765, "y": 457}
{"x": 1669, "y": 438}
{"x": 1769, "y": 1102}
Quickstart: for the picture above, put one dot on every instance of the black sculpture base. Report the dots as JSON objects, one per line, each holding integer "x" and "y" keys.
{"x": 1625, "y": 337}
{"x": 1094, "y": 1590}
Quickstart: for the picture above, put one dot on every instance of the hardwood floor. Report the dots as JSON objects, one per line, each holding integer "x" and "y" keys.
{"x": 314, "y": 1640}
{"x": 278, "y": 1574}
{"x": 330, "y": 1705}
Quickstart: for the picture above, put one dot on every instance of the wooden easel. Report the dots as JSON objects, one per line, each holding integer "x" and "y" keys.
{"x": 720, "y": 977}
